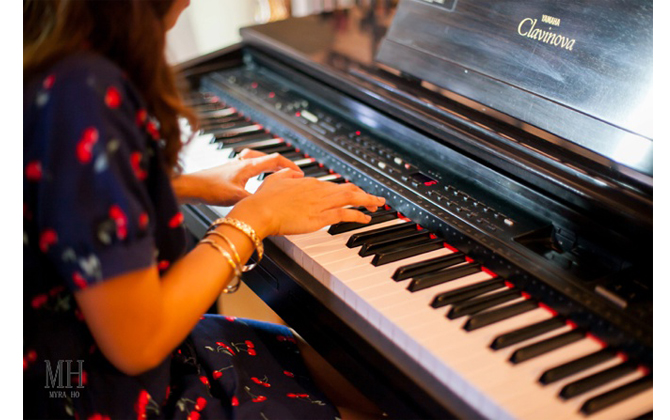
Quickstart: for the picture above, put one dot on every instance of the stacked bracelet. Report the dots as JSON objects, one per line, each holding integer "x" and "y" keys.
{"x": 235, "y": 283}
{"x": 247, "y": 230}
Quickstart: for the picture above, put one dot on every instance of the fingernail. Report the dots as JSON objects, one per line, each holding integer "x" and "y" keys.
{"x": 367, "y": 218}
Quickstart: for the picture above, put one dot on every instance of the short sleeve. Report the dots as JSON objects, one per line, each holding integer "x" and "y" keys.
{"x": 86, "y": 164}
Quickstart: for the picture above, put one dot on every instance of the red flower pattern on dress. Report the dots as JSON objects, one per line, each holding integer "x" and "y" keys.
{"x": 176, "y": 220}
{"x": 98, "y": 416}
{"x": 200, "y": 403}
{"x": 135, "y": 162}
{"x": 112, "y": 97}
{"x": 29, "y": 358}
{"x": 204, "y": 380}
{"x": 48, "y": 81}
{"x": 120, "y": 219}
{"x": 262, "y": 382}
{"x": 153, "y": 130}
{"x": 143, "y": 221}
{"x": 234, "y": 401}
{"x": 48, "y": 238}
{"x": 255, "y": 398}
{"x": 79, "y": 280}
{"x": 39, "y": 300}
{"x": 305, "y": 397}
{"x": 85, "y": 146}
{"x": 34, "y": 171}
{"x": 141, "y": 117}
{"x": 163, "y": 265}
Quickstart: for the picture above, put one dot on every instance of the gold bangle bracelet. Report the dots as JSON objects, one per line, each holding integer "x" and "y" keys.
{"x": 237, "y": 276}
{"x": 244, "y": 228}
{"x": 231, "y": 245}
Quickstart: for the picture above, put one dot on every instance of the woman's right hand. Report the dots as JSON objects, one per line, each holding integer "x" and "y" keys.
{"x": 288, "y": 204}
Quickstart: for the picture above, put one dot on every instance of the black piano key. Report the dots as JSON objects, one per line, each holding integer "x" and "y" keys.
{"x": 467, "y": 292}
{"x": 646, "y": 416}
{"x": 428, "y": 266}
{"x": 227, "y": 135}
{"x": 496, "y": 315}
{"x": 243, "y": 141}
{"x": 317, "y": 173}
{"x": 277, "y": 149}
{"x": 597, "y": 379}
{"x": 258, "y": 145}
{"x": 217, "y": 113}
{"x": 545, "y": 346}
{"x": 526, "y": 333}
{"x": 433, "y": 279}
{"x": 210, "y": 126}
{"x": 203, "y": 108}
{"x": 339, "y": 180}
{"x": 224, "y": 128}
{"x": 479, "y": 304}
{"x": 294, "y": 156}
{"x": 575, "y": 366}
{"x": 401, "y": 240}
{"x": 609, "y": 398}
{"x": 400, "y": 254}
{"x": 377, "y": 217}
{"x": 358, "y": 239}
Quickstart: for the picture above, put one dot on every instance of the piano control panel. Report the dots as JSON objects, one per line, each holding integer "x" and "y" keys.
{"x": 444, "y": 192}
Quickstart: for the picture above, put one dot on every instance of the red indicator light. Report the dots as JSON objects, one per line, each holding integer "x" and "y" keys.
{"x": 254, "y": 85}
{"x": 358, "y": 133}
{"x": 271, "y": 95}
{"x": 429, "y": 183}
{"x": 297, "y": 114}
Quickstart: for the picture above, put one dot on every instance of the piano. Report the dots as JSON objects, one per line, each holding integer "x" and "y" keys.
{"x": 510, "y": 274}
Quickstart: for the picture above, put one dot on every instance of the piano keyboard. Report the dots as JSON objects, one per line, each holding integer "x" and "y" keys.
{"x": 499, "y": 349}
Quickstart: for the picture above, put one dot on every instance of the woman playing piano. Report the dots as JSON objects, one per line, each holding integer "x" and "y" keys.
{"x": 113, "y": 308}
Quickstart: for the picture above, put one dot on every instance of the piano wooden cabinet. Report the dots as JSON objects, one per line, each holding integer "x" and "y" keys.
{"x": 510, "y": 276}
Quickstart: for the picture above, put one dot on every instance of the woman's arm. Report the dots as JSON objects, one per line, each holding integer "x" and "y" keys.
{"x": 137, "y": 319}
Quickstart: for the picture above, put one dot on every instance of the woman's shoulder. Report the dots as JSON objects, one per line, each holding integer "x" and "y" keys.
{"x": 83, "y": 73}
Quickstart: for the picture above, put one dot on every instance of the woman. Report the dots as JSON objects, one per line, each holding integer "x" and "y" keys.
{"x": 111, "y": 305}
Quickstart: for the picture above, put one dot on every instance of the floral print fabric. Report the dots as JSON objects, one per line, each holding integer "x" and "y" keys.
{"x": 96, "y": 204}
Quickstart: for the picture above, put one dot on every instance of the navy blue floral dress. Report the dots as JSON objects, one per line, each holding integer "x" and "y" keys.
{"x": 97, "y": 204}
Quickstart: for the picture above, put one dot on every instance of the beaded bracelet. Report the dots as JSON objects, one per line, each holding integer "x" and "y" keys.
{"x": 247, "y": 230}
{"x": 235, "y": 283}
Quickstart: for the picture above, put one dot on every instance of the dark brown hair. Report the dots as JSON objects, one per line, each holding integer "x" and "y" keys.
{"x": 131, "y": 33}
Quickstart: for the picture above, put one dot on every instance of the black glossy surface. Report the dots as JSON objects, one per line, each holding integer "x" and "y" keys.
{"x": 485, "y": 50}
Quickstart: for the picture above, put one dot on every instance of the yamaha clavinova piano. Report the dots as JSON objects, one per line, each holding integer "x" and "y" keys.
{"x": 509, "y": 276}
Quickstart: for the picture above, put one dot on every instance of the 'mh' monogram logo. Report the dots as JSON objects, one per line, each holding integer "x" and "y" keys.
{"x": 55, "y": 379}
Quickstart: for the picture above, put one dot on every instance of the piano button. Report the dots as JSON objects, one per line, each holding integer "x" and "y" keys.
{"x": 428, "y": 266}
{"x": 377, "y": 217}
{"x": 616, "y": 395}
{"x": 496, "y": 315}
{"x": 399, "y": 254}
{"x": 359, "y": 239}
{"x": 528, "y": 332}
{"x": 467, "y": 292}
{"x": 583, "y": 385}
{"x": 243, "y": 140}
{"x": 574, "y": 366}
{"x": 258, "y": 145}
{"x": 545, "y": 346}
{"x": 429, "y": 280}
{"x": 473, "y": 306}
{"x": 399, "y": 241}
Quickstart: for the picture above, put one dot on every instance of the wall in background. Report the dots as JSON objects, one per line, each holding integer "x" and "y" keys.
{"x": 208, "y": 25}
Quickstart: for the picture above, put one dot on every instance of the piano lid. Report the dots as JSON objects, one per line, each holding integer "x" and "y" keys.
{"x": 578, "y": 69}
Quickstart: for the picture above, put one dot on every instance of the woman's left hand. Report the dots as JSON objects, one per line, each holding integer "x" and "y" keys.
{"x": 224, "y": 185}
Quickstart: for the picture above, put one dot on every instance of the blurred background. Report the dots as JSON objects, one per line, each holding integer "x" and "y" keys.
{"x": 208, "y": 25}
